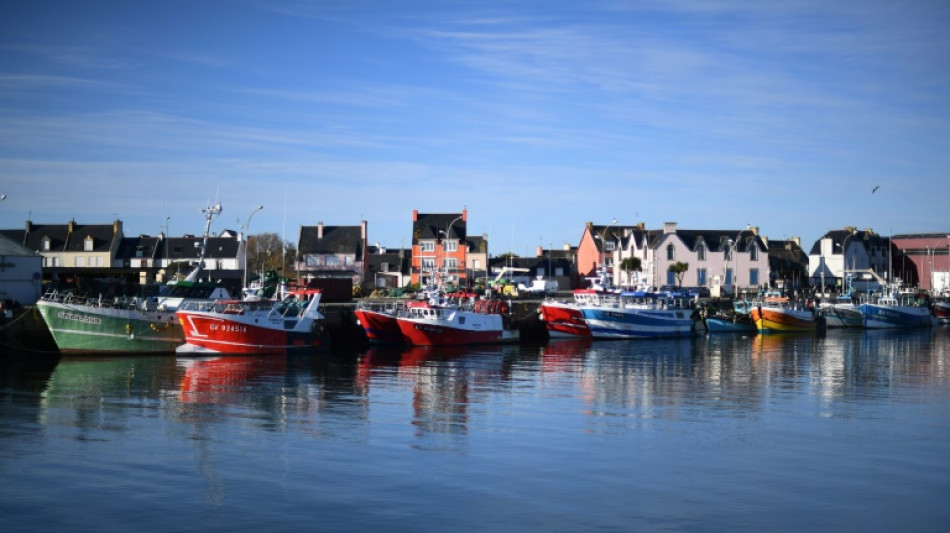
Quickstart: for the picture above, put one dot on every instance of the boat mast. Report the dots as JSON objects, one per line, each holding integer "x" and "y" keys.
{"x": 209, "y": 212}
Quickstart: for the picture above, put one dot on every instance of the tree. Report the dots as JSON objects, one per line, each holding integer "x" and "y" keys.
{"x": 266, "y": 251}
{"x": 630, "y": 264}
{"x": 679, "y": 269}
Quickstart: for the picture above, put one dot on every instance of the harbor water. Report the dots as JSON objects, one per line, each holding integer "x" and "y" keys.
{"x": 841, "y": 431}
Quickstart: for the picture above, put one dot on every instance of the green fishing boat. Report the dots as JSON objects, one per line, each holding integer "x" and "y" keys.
{"x": 127, "y": 325}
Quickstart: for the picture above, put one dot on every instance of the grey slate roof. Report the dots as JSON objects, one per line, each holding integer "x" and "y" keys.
{"x": 336, "y": 240}
{"x": 11, "y": 248}
{"x": 185, "y": 248}
{"x": 427, "y": 226}
{"x": 838, "y": 237}
{"x": 130, "y": 246}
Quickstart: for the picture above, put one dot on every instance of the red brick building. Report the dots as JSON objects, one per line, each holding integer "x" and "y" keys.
{"x": 439, "y": 245}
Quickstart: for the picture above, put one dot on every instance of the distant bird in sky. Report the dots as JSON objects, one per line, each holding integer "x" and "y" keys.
{"x": 874, "y": 190}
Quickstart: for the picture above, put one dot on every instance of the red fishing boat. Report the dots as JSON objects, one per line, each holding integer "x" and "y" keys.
{"x": 253, "y": 327}
{"x": 564, "y": 319}
{"x": 462, "y": 319}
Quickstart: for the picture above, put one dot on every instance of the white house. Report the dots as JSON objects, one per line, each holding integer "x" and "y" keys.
{"x": 729, "y": 260}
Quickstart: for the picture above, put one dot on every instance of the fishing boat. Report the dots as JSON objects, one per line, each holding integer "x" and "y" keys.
{"x": 290, "y": 323}
{"x": 638, "y": 314}
{"x": 463, "y": 319}
{"x": 942, "y": 309}
{"x": 735, "y": 320}
{"x": 378, "y": 320}
{"x": 128, "y": 325}
{"x": 780, "y": 314}
{"x": 898, "y": 310}
{"x": 843, "y": 312}
{"x": 564, "y": 319}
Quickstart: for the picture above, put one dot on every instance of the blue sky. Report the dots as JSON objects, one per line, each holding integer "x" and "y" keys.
{"x": 537, "y": 116}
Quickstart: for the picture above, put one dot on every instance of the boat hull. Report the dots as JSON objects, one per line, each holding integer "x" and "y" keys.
{"x": 942, "y": 312}
{"x": 896, "y": 316}
{"x": 638, "y": 323}
{"x": 783, "y": 320}
{"x": 380, "y": 327}
{"x": 727, "y": 325}
{"x": 207, "y": 333}
{"x": 90, "y": 329}
{"x": 843, "y": 316}
{"x": 477, "y": 329}
{"x": 563, "y": 320}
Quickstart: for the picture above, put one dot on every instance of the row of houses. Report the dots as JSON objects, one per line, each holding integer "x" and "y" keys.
{"x": 724, "y": 261}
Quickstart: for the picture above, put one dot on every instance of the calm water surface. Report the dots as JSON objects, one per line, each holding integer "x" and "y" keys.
{"x": 847, "y": 431}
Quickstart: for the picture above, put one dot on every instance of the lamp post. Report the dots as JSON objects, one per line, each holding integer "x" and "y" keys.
{"x": 247, "y": 227}
{"x": 447, "y": 232}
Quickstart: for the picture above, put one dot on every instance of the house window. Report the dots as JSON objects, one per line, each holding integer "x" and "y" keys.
{"x": 428, "y": 264}
{"x": 451, "y": 262}
{"x": 701, "y": 277}
{"x": 87, "y": 244}
{"x": 98, "y": 261}
{"x": 384, "y": 267}
{"x": 80, "y": 261}
{"x": 609, "y": 246}
{"x": 451, "y": 246}
{"x": 701, "y": 252}
{"x": 427, "y": 246}
{"x": 728, "y": 276}
{"x": 754, "y": 253}
{"x": 46, "y": 245}
{"x": 753, "y": 276}
{"x": 475, "y": 264}
{"x": 670, "y": 277}
{"x": 670, "y": 252}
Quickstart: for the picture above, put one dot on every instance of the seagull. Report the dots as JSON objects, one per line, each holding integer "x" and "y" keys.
{"x": 874, "y": 190}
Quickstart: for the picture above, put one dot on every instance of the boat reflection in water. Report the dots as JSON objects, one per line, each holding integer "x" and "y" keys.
{"x": 581, "y": 432}
{"x": 224, "y": 379}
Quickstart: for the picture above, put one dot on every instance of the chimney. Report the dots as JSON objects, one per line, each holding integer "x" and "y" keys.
{"x": 642, "y": 226}
{"x": 72, "y": 225}
{"x": 116, "y": 227}
{"x": 363, "y": 230}
{"x": 754, "y": 230}
{"x": 669, "y": 227}
{"x": 540, "y": 251}
{"x": 320, "y": 229}
{"x": 415, "y": 215}
{"x": 797, "y": 241}
{"x": 464, "y": 215}
{"x": 29, "y": 226}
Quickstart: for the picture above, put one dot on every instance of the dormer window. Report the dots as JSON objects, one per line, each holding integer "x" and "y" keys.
{"x": 45, "y": 244}
{"x": 87, "y": 244}
{"x": 754, "y": 253}
{"x": 701, "y": 253}
{"x": 609, "y": 246}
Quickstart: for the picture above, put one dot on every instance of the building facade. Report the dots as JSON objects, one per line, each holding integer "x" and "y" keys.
{"x": 439, "y": 247}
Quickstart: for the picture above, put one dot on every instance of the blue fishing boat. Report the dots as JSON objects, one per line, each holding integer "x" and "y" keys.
{"x": 899, "y": 311}
{"x": 635, "y": 315}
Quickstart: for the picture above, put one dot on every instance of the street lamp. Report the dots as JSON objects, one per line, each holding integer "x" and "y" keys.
{"x": 247, "y": 227}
